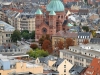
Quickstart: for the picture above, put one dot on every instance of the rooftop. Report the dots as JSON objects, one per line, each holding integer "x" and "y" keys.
{"x": 6, "y": 26}
{"x": 55, "y": 5}
{"x": 76, "y": 54}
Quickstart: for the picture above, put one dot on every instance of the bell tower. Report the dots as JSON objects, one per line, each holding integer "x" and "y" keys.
{"x": 52, "y": 22}
{"x": 38, "y": 22}
{"x": 39, "y": 17}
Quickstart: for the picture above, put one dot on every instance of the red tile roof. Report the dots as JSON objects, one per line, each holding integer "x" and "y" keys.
{"x": 18, "y": 10}
{"x": 94, "y": 68}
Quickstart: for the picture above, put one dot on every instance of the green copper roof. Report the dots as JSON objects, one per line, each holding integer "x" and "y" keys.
{"x": 55, "y": 5}
{"x": 52, "y": 13}
{"x": 38, "y": 12}
{"x": 69, "y": 25}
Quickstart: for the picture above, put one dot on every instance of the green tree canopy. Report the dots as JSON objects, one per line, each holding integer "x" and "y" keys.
{"x": 38, "y": 53}
{"x": 85, "y": 28}
{"x": 16, "y": 36}
{"x": 32, "y": 35}
{"x": 24, "y": 31}
{"x": 26, "y": 36}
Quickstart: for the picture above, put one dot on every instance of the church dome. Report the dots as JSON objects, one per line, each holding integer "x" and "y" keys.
{"x": 55, "y": 5}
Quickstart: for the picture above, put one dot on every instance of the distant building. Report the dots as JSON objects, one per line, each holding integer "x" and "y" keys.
{"x": 57, "y": 65}
{"x": 5, "y": 31}
{"x": 81, "y": 55}
{"x": 51, "y": 21}
{"x": 76, "y": 70}
{"x": 93, "y": 68}
{"x": 95, "y": 40}
{"x": 26, "y": 21}
{"x": 11, "y": 66}
{"x": 84, "y": 36}
{"x": 62, "y": 36}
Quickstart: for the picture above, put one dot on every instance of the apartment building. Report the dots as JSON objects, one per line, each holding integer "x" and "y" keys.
{"x": 26, "y": 21}
{"x": 81, "y": 55}
{"x": 93, "y": 68}
{"x": 21, "y": 21}
{"x": 57, "y": 65}
{"x": 5, "y": 32}
{"x": 17, "y": 67}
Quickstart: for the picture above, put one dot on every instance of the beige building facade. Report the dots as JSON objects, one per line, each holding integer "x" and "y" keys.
{"x": 22, "y": 67}
{"x": 6, "y": 31}
{"x": 62, "y": 66}
{"x": 21, "y": 21}
{"x": 81, "y": 55}
{"x": 26, "y": 23}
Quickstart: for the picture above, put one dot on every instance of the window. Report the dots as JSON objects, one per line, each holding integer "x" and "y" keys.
{"x": 64, "y": 66}
{"x": 61, "y": 16}
{"x": 58, "y": 16}
{"x": 64, "y": 70}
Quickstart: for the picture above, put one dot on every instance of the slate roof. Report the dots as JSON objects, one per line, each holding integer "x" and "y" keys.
{"x": 45, "y": 59}
{"x": 76, "y": 70}
{"x": 14, "y": 54}
{"x": 65, "y": 22}
{"x": 83, "y": 11}
{"x": 50, "y": 57}
{"x": 6, "y": 26}
{"x": 75, "y": 28}
{"x": 7, "y": 48}
{"x": 58, "y": 62}
{"x": 95, "y": 40}
{"x": 84, "y": 34}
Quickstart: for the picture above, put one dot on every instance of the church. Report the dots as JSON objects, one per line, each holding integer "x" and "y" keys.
{"x": 51, "y": 21}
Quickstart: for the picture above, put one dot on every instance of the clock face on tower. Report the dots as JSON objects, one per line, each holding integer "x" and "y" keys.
{"x": 44, "y": 30}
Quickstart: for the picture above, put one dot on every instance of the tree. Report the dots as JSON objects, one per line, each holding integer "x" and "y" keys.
{"x": 16, "y": 36}
{"x": 26, "y": 36}
{"x": 85, "y": 28}
{"x": 85, "y": 41}
{"x": 34, "y": 46}
{"x": 41, "y": 40}
{"x": 32, "y": 35}
{"x": 47, "y": 46}
{"x": 69, "y": 42}
{"x": 24, "y": 31}
{"x": 46, "y": 37}
{"x": 60, "y": 45}
{"x": 74, "y": 24}
{"x": 38, "y": 53}
{"x": 93, "y": 33}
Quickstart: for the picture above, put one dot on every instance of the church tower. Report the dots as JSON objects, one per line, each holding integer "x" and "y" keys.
{"x": 52, "y": 22}
{"x": 38, "y": 22}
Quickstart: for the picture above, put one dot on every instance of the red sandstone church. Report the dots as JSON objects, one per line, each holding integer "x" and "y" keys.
{"x": 51, "y": 21}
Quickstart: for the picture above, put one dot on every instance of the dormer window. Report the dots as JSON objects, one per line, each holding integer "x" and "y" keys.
{"x": 83, "y": 37}
{"x": 78, "y": 36}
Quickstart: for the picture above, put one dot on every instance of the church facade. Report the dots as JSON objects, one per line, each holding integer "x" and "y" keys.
{"x": 51, "y": 21}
